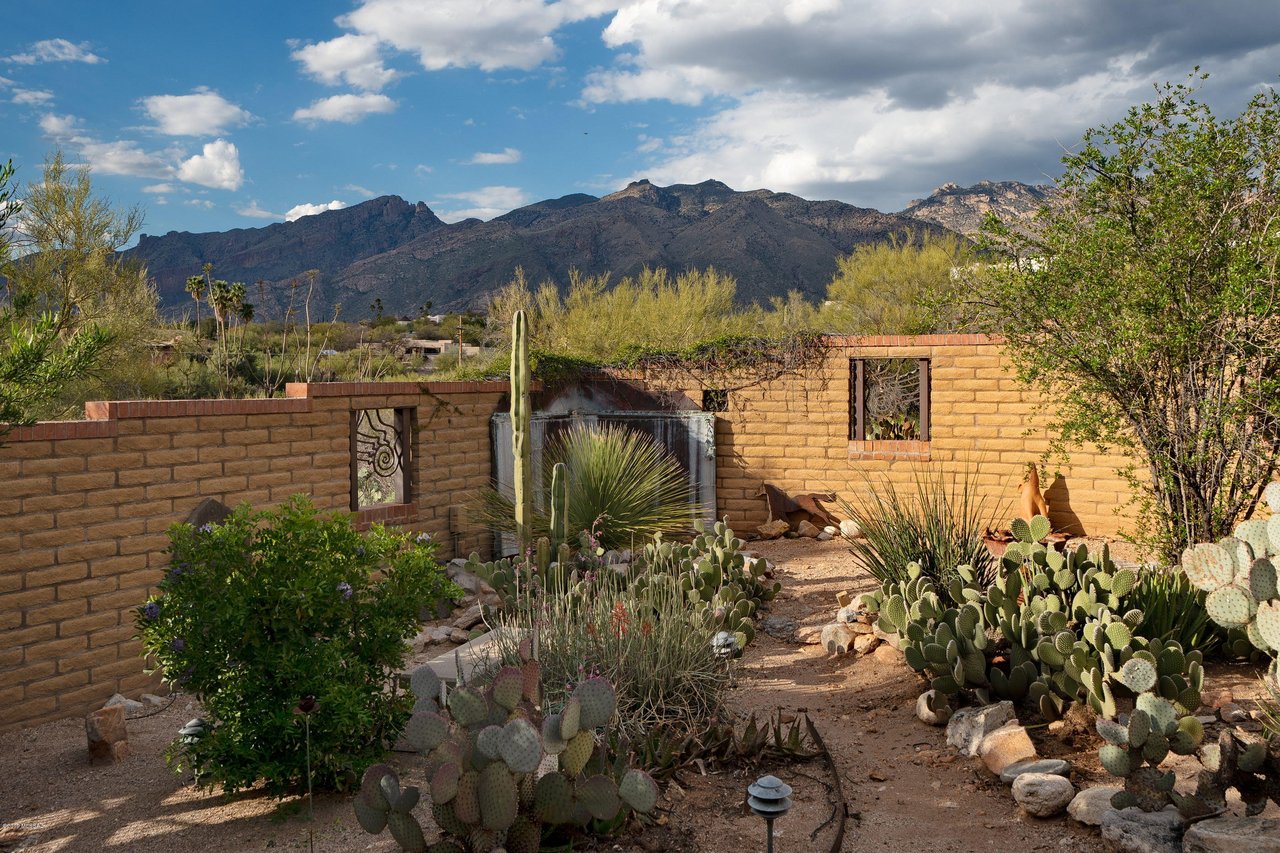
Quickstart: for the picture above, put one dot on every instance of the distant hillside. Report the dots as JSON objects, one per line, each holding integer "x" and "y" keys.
{"x": 962, "y": 209}
{"x": 404, "y": 255}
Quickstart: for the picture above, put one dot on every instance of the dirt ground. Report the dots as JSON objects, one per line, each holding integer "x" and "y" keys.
{"x": 903, "y": 787}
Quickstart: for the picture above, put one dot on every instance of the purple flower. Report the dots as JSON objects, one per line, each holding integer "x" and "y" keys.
{"x": 345, "y": 589}
{"x": 359, "y": 550}
{"x": 206, "y": 527}
{"x": 151, "y": 611}
{"x": 422, "y": 538}
{"x": 178, "y": 644}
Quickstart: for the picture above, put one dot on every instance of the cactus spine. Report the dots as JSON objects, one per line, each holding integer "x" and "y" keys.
{"x": 521, "y": 448}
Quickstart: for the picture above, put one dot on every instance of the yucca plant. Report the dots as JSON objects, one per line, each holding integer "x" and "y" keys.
{"x": 938, "y": 522}
{"x": 622, "y": 484}
{"x": 1173, "y": 609}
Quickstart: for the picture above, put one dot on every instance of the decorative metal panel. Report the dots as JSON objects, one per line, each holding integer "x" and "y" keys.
{"x": 379, "y": 457}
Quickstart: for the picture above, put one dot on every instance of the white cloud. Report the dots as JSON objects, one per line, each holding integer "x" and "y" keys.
{"x": 202, "y": 113}
{"x": 485, "y": 203}
{"x": 352, "y": 59}
{"x": 495, "y": 158}
{"x": 200, "y": 202}
{"x": 360, "y": 191}
{"x": 159, "y": 188}
{"x": 56, "y": 50}
{"x": 254, "y": 211}
{"x": 345, "y": 108}
{"x": 300, "y": 210}
{"x": 122, "y": 157}
{"x": 648, "y": 144}
{"x": 218, "y": 166}
{"x": 32, "y": 97}
{"x": 422, "y": 170}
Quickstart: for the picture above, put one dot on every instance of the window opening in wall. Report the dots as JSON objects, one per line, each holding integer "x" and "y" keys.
{"x": 379, "y": 457}
{"x": 715, "y": 400}
{"x": 889, "y": 399}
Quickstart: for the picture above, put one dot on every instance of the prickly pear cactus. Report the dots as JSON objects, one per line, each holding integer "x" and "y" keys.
{"x": 488, "y": 783}
{"x": 1137, "y": 743}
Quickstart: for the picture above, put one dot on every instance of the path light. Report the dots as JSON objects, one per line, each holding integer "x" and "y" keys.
{"x": 770, "y": 798}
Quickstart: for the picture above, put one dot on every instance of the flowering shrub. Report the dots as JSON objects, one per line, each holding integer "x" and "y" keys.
{"x": 270, "y": 607}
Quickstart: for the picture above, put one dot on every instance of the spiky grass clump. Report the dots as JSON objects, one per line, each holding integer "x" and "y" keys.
{"x": 938, "y": 522}
{"x": 619, "y": 477}
{"x": 1173, "y": 609}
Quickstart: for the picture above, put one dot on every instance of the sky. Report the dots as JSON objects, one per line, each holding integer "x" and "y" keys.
{"x": 213, "y": 116}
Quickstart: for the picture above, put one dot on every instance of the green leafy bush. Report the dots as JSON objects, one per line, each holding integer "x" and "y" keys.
{"x": 937, "y": 523}
{"x": 270, "y": 607}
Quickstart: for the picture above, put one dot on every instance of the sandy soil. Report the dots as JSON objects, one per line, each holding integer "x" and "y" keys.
{"x": 904, "y": 788}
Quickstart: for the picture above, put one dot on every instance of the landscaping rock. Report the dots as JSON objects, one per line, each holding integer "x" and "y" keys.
{"x": 849, "y": 529}
{"x": 1134, "y": 831}
{"x": 1043, "y": 794}
{"x": 886, "y": 653}
{"x": 865, "y": 643}
{"x": 774, "y": 529}
{"x": 131, "y": 706}
{"x": 442, "y": 634}
{"x": 779, "y": 627}
{"x": 969, "y": 726}
{"x": 824, "y": 536}
{"x": 1007, "y": 745}
{"x": 809, "y": 635}
{"x": 1056, "y": 766}
{"x": 1232, "y": 713}
{"x": 847, "y": 614}
{"x": 153, "y": 700}
{"x": 106, "y": 734}
{"x": 459, "y": 635}
{"x": 470, "y": 618}
{"x": 808, "y": 530}
{"x": 1092, "y": 804}
{"x": 1230, "y": 834}
{"x": 838, "y": 638}
{"x": 471, "y": 583}
{"x": 933, "y": 708}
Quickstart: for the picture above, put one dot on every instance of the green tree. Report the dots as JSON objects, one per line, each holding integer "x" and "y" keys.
{"x": 1145, "y": 305}
{"x": 902, "y": 287}
{"x": 38, "y": 359}
{"x": 71, "y": 272}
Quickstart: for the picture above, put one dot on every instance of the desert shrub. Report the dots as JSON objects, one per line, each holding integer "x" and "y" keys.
{"x": 648, "y": 641}
{"x": 270, "y": 607}
{"x": 1173, "y": 609}
{"x": 937, "y": 522}
{"x": 622, "y": 484}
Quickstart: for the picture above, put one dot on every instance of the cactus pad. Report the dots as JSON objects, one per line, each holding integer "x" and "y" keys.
{"x": 639, "y": 791}
{"x": 1118, "y": 634}
{"x": 600, "y": 795}
{"x": 424, "y": 683}
{"x": 489, "y": 742}
{"x": 1208, "y": 566}
{"x": 1230, "y": 606}
{"x": 466, "y": 805}
{"x": 1262, "y": 580}
{"x": 520, "y": 746}
{"x": 508, "y": 687}
{"x": 444, "y": 782}
{"x": 524, "y": 836}
{"x": 426, "y": 730}
{"x": 570, "y": 718}
{"x": 553, "y": 799}
{"x": 577, "y": 753}
{"x": 499, "y": 799}
{"x": 531, "y": 678}
{"x": 1115, "y": 760}
{"x": 468, "y": 707}
{"x": 371, "y": 786}
{"x": 599, "y": 701}
{"x": 1139, "y": 727}
{"x": 1112, "y": 732}
{"x": 406, "y": 831}
{"x": 1138, "y": 675}
{"x": 551, "y": 740}
{"x": 371, "y": 819}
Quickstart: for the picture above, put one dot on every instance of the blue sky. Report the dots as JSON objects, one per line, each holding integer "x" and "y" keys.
{"x": 237, "y": 114}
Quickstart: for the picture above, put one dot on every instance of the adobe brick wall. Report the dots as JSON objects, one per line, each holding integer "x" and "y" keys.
{"x": 794, "y": 433}
{"x": 84, "y": 506}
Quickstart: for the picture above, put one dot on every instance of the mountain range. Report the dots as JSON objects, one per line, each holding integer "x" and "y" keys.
{"x": 404, "y": 255}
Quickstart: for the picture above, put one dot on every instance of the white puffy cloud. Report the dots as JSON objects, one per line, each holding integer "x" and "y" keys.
{"x": 200, "y": 202}
{"x": 352, "y": 59}
{"x": 202, "y": 113}
{"x": 159, "y": 188}
{"x": 123, "y": 157}
{"x": 59, "y": 128}
{"x": 56, "y": 50}
{"x": 32, "y": 97}
{"x": 495, "y": 158}
{"x": 345, "y": 108}
{"x": 218, "y": 166}
{"x": 363, "y": 192}
{"x": 485, "y": 203}
{"x": 300, "y": 210}
{"x": 255, "y": 211}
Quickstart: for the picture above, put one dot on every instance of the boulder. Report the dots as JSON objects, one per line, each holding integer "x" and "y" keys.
{"x": 470, "y": 618}
{"x": 887, "y": 654}
{"x": 1056, "y": 766}
{"x": 1007, "y": 745}
{"x": 849, "y": 529}
{"x": 130, "y": 706}
{"x": 864, "y": 643}
{"x": 1229, "y": 834}
{"x": 106, "y": 734}
{"x": 809, "y": 635}
{"x": 838, "y": 638}
{"x": 969, "y": 726}
{"x": 1043, "y": 794}
{"x": 933, "y": 708}
{"x": 1092, "y": 804}
{"x": 847, "y": 613}
{"x": 774, "y": 529}
{"x": 824, "y": 536}
{"x": 1132, "y": 830}
{"x": 779, "y": 627}
{"x": 809, "y": 530}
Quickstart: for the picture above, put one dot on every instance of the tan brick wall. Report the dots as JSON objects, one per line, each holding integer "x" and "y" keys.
{"x": 84, "y": 507}
{"x": 794, "y": 433}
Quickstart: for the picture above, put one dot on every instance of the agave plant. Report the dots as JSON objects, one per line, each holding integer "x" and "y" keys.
{"x": 620, "y": 478}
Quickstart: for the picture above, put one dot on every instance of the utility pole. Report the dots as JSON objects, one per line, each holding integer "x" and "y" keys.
{"x": 459, "y": 341}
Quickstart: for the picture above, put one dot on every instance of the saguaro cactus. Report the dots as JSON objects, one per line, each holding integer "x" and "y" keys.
{"x": 559, "y": 505}
{"x": 521, "y": 448}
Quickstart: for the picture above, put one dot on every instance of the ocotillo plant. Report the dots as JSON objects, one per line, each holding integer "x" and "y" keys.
{"x": 520, "y": 446}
